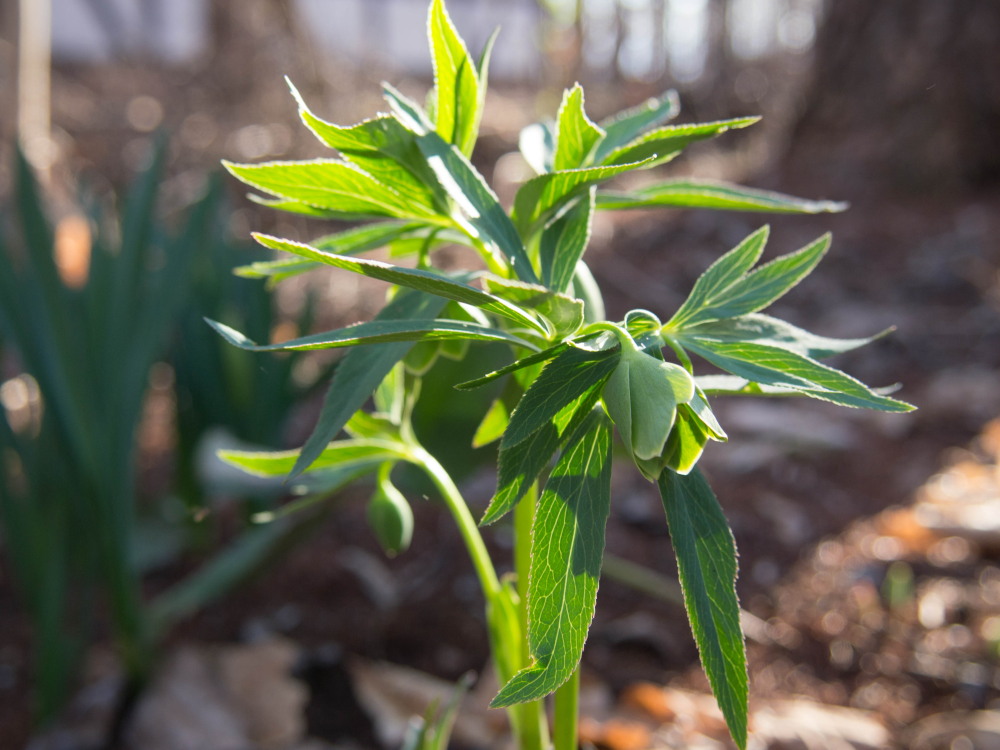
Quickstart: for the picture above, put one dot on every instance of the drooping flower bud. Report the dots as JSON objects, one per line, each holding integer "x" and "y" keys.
{"x": 390, "y": 517}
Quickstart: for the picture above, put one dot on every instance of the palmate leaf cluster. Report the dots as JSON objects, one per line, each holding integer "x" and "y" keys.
{"x": 574, "y": 376}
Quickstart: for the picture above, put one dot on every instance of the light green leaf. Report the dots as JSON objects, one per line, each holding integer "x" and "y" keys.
{"x": 412, "y": 278}
{"x": 642, "y": 397}
{"x": 340, "y": 453}
{"x": 771, "y": 365}
{"x": 564, "y": 241}
{"x": 625, "y": 126}
{"x": 542, "y": 196}
{"x": 763, "y": 329}
{"x": 576, "y": 135}
{"x": 349, "y": 242}
{"x": 566, "y": 554}
{"x": 563, "y": 312}
{"x": 479, "y": 209}
{"x": 360, "y": 372}
{"x": 376, "y": 332}
{"x": 384, "y": 149}
{"x": 329, "y": 184}
{"x": 457, "y": 96}
{"x": 304, "y": 209}
{"x": 666, "y": 142}
{"x": 565, "y": 378}
{"x": 754, "y": 291}
{"x": 712, "y": 194}
{"x": 711, "y": 286}
{"x": 706, "y": 563}
{"x": 686, "y": 443}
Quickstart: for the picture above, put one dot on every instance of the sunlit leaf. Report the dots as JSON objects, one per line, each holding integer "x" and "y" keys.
{"x": 567, "y": 549}
{"x": 688, "y": 193}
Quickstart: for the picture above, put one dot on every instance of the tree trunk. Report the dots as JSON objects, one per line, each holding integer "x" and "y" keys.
{"x": 908, "y": 88}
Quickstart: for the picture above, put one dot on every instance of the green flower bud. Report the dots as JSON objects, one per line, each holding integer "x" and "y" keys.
{"x": 390, "y": 517}
{"x": 642, "y": 396}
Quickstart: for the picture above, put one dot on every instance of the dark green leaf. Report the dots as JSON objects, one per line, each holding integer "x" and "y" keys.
{"x": 712, "y": 194}
{"x": 771, "y": 365}
{"x": 531, "y": 359}
{"x": 360, "y": 372}
{"x": 566, "y": 554}
{"x": 564, "y": 379}
{"x": 518, "y": 467}
{"x": 564, "y": 241}
{"x": 706, "y": 563}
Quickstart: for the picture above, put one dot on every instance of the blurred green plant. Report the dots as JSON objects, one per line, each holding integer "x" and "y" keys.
{"x": 80, "y": 341}
{"x": 574, "y": 375}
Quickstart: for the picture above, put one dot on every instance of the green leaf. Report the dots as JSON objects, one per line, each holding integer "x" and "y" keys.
{"x": 304, "y": 209}
{"x": 519, "y": 466}
{"x": 384, "y": 149}
{"x": 337, "y": 454}
{"x": 457, "y": 97}
{"x": 531, "y": 359}
{"x": 329, "y": 184}
{"x": 576, "y": 135}
{"x": 359, "y": 373}
{"x": 478, "y": 209}
{"x": 771, "y": 365}
{"x": 376, "y": 332}
{"x": 763, "y": 329}
{"x": 711, "y": 286}
{"x": 565, "y": 378}
{"x": 687, "y": 441}
{"x": 563, "y": 312}
{"x": 412, "y": 278}
{"x": 706, "y": 563}
{"x": 349, "y": 242}
{"x": 711, "y": 194}
{"x": 756, "y": 290}
{"x": 566, "y": 554}
{"x": 564, "y": 241}
{"x": 625, "y": 126}
{"x": 542, "y": 196}
{"x": 666, "y": 142}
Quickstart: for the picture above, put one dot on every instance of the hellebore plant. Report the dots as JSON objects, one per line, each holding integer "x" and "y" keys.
{"x": 574, "y": 375}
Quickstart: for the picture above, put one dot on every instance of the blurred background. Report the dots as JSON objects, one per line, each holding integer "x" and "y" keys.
{"x": 123, "y": 110}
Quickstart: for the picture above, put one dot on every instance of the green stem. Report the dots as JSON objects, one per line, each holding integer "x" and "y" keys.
{"x": 566, "y": 713}
{"x": 534, "y": 724}
{"x": 463, "y": 519}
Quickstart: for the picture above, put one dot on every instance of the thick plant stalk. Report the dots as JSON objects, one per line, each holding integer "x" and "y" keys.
{"x": 567, "y": 709}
